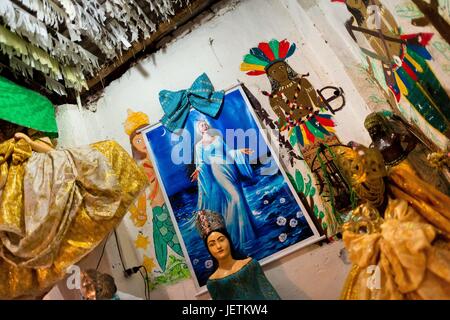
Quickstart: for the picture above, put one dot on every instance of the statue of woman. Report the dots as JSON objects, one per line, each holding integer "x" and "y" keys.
{"x": 402, "y": 252}
{"x": 219, "y": 174}
{"x": 399, "y": 257}
{"x": 56, "y": 205}
{"x": 234, "y": 278}
{"x": 398, "y": 145}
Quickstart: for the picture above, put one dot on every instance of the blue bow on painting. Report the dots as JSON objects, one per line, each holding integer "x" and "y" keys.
{"x": 201, "y": 96}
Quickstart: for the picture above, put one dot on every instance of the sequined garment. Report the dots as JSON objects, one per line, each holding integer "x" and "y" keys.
{"x": 406, "y": 255}
{"x": 56, "y": 208}
{"x": 249, "y": 283}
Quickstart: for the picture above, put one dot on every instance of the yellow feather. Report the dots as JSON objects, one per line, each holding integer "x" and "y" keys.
{"x": 401, "y": 85}
{"x": 414, "y": 62}
{"x": 305, "y": 137}
{"x": 251, "y": 67}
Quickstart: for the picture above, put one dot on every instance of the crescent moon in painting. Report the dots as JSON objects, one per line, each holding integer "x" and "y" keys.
{"x": 165, "y": 131}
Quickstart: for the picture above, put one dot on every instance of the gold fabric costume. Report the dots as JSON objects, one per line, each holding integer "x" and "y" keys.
{"x": 56, "y": 207}
{"x": 430, "y": 203}
{"x": 409, "y": 247}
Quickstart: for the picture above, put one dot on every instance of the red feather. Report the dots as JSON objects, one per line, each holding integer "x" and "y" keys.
{"x": 284, "y": 48}
{"x": 425, "y": 37}
{"x": 397, "y": 94}
{"x": 408, "y": 70}
{"x": 256, "y": 73}
{"x": 264, "y": 47}
{"x": 309, "y": 135}
{"x": 326, "y": 122}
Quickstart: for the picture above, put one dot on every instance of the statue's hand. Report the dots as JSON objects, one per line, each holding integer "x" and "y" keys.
{"x": 37, "y": 146}
{"x": 194, "y": 176}
{"x": 21, "y": 135}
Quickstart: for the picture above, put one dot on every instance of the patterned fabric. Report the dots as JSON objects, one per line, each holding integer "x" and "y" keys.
{"x": 249, "y": 283}
{"x": 55, "y": 209}
{"x": 201, "y": 96}
{"x": 26, "y": 108}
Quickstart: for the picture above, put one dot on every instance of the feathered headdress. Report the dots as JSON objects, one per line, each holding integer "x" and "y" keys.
{"x": 260, "y": 59}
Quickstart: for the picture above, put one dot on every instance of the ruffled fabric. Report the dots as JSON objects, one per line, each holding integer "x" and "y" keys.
{"x": 423, "y": 197}
{"x": 56, "y": 207}
{"x": 412, "y": 262}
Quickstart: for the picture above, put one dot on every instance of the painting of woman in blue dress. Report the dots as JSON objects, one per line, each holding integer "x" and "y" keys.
{"x": 224, "y": 164}
{"x": 219, "y": 172}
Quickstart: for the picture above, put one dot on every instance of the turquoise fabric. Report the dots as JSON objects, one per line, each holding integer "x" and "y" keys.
{"x": 27, "y": 108}
{"x": 249, "y": 283}
{"x": 201, "y": 96}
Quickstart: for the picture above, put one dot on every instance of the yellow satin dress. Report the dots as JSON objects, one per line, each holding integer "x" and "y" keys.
{"x": 409, "y": 249}
{"x": 56, "y": 207}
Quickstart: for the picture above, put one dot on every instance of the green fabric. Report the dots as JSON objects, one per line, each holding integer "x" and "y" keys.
{"x": 26, "y": 108}
{"x": 249, "y": 283}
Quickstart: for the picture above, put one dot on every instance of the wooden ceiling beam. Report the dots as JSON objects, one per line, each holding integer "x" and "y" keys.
{"x": 184, "y": 16}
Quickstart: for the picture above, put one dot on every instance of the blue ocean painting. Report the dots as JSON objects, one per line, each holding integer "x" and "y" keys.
{"x": 278, "y": 219}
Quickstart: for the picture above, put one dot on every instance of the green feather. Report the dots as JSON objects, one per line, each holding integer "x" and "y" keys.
{"x": 316, "y": 132}
{"x": 254, "y": 60}
{"x": 275, "y": 46}
{"x": 293, "y": 139}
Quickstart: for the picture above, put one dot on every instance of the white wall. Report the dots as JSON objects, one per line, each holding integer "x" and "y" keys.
{"x": 216, "y": 45}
